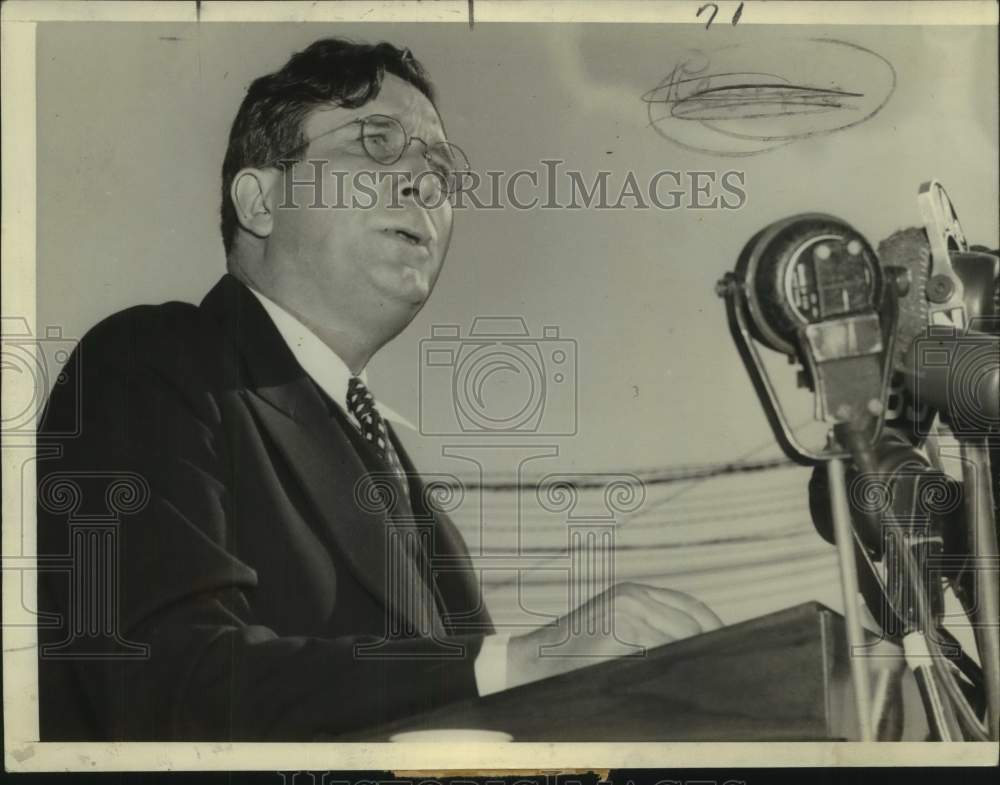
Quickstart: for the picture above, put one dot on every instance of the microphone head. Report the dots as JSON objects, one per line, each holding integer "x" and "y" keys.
{"x": 804, "y": 270}
{"x": 943, "y": 369}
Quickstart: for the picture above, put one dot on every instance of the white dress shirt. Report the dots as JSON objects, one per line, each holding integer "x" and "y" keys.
{"x": 331, "y": 373}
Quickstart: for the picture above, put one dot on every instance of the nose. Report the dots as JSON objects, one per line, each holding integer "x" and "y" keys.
{"x": 419, "y": 180}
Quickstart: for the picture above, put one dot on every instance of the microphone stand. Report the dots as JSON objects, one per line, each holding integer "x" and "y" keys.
{"x": 860, "y": 677}
{"x": 982, "y": 527}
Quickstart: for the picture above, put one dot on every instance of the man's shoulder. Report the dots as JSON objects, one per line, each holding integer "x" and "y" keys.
{"x": 175, "y": 339}
{"x": 172, "y": 325}
{"x": 144, "y": 361}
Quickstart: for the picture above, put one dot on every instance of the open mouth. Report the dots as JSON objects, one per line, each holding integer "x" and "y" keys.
{"x": 409, "y": 237}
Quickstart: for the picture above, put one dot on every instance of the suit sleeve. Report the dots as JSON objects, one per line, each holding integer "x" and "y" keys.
{"x": 140, "y": 410}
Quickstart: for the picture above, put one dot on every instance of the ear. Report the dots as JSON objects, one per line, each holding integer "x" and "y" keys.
{"x": 252, "y": 194}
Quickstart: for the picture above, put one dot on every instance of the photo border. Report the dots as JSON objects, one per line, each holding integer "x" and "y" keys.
{"x": 22, "y": 750}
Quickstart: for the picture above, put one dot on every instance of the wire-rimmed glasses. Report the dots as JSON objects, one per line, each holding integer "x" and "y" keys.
{"x": 385, "y": 141}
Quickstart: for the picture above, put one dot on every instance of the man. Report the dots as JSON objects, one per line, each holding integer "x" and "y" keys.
{"x": 262, "y": 591}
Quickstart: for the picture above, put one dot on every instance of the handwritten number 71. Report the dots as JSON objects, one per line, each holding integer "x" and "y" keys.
{"x": 714, "y": 9}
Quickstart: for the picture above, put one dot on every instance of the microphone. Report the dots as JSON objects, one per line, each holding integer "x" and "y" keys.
{"x": 809, "y": 287}
{"x": 947, "y": 366}
{"x": 890, "y": 343}
{"x": 947, "y": 354}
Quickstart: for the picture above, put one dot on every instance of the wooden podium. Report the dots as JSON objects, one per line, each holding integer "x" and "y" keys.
{"x": 781, "y": 677}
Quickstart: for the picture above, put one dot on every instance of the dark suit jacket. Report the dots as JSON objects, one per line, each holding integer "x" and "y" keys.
{"x": 207, "y": 567}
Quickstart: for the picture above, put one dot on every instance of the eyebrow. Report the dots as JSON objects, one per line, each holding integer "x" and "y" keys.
{"x": 398, "y": 119}
{"x": 322, "y": 135}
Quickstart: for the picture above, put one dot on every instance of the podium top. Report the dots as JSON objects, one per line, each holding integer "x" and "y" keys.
{"x": 779, "y": 677}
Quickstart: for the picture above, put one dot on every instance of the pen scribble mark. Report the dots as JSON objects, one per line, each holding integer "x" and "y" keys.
{"x": 704, "y": 106}
{"x": 715, "y": 11}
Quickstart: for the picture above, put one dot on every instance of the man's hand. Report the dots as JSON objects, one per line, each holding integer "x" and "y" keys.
{"x": 614, "y": 623}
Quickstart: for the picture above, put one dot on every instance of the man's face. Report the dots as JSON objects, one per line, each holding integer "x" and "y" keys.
{"x": 341, "y": 262}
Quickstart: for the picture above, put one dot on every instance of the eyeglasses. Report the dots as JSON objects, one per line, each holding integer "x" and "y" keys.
{"x": 385, "y": 141}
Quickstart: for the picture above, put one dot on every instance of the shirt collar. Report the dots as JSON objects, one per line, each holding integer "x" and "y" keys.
{"x": 323, "y": 365}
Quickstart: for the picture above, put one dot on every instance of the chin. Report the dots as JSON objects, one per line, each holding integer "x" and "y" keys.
{"x": 402, "y": 302}
{"x": 415, "y": 288}
{"x": 416, "y": 300}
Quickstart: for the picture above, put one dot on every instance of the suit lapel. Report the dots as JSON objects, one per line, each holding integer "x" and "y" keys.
{"x": 453, "y": 588}
{"x": 409, "y": 518}
{"x": 290, "y": 410}
{"x": 329, "y": 472}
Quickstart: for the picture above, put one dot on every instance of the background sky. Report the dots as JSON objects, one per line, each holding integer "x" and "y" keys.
{"x": 131, "y": 130}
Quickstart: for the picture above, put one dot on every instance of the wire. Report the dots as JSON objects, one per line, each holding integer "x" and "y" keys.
{"x": 599, "y": 481}
{"x": 695, "y": 481}
{"x": 936, "y": 717}
{"x": 966, "y": 715}
{"x": 968, "y": 667}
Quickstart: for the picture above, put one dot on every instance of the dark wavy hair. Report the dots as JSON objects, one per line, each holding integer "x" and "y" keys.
{"x": 331, "y": 70}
